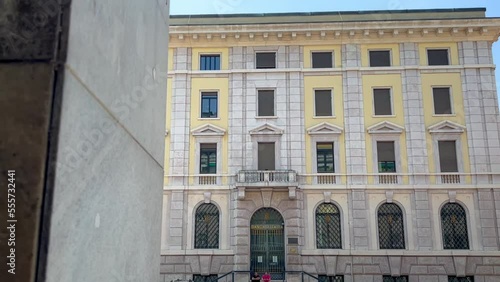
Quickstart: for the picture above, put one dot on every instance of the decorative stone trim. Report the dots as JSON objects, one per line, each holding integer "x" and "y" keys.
{"x": 453, "y": 196}
{"x": 208, "y": 130}
{"x": 446, "y": 127}
{"x": 328, "y": 197}
{"x": 207, "y": 197}
{"x": 389, "y": 195}
{"x": 292, "y": 193}
{"x": 385, "y": 127}
{"x": 325, "y": 128}
{"x": 266, "y": 129}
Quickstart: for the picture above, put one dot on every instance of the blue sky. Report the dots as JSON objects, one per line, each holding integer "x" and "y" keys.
{"x": 186, "y": 7}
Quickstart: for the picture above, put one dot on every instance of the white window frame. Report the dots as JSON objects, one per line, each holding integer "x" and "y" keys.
{"x": 436, "y": 137}
{"x": 209, "y": 53}
{"x": 332, "y": 103}
{"x": 381, "y": 49}
{"x": 323, "y": 51}
{"x": 201, "y": 104}
{"x": 391, "y": 95}
{"x": 451, "y": 101}
{"x": 266, "y": 51}
{"x": 437, "y": 48}
{"x": 214, "y": 135}
{"x": 257, "y": 102}
{"x": 266, "y": 133}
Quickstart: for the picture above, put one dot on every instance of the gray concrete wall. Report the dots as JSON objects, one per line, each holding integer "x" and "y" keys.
{"x": 106, "y": 213}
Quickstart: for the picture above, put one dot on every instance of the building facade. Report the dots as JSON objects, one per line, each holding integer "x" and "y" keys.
{"x": 349, "y": 146}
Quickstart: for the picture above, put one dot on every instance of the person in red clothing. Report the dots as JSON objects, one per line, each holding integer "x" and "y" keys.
{"x": 266, "y": 277}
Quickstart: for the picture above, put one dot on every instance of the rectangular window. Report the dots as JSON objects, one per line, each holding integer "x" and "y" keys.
{"x": 380, "y": 58}
{"x": 382, "y": 102}
{"x": 265, "y": 60}
{"x": 209, "y": 104}
{"x": 208, "y": 158}
{"x": 386, "y": 157}
{"x": 209, "y": 62}
{"x": 265, "y": 103}
{"x": 438, "y": 57}
{"x": 448, "y": 156}
{"x": 266, "y": 157}
{"x": 323, "y": 103}
{"x": 442, "y": 100}
{"x": 324, "y": 154}
{"x": 327, "y": 278}
{"x": 322, "y": 60}
{"x": 387, "y": 278}
{"x": 461, "y": 279}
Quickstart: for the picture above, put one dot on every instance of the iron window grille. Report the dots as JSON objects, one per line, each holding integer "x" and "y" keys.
{"x": 325, "y": 278}
{"x": 207, "y": 278}
{"x": 328, "y": 231}
{"x": 210, "y": 62}
{"x": 209, "y": 105}
{"x": 454, "y": 225}
{"x": 390, "y": 227}
{"x": 461, "y": 279}
{"x": 387, "y": 278}
{"x": 206, "y": 227}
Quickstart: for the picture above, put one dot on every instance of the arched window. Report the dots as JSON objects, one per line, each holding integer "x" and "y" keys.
{"x": 391, "y": 234}
{"x": 328, "y": 233}
{"x": 206, "y": 227}
{"x": 454, "y": 225}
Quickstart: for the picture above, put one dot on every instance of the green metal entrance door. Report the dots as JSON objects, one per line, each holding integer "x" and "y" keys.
{"x": 267, "y": 243}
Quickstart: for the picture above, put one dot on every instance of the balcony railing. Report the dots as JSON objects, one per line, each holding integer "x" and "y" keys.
{"x": 267, "y": 178}
{"x": 388, "y": 178}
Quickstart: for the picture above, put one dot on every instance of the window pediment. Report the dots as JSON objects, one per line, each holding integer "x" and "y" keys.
{"x": 208, "y": 130}
{"x": 325, "y": 128}
{"x": 385, "y": 127}
{"x": 266, "y": 129}
{"x": 446, "y": 126}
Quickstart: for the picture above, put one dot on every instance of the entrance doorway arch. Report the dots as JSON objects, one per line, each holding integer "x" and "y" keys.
{"x": 267, "y": 243}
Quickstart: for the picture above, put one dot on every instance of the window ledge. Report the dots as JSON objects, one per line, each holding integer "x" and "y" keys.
{"x": 444, "y": 115}
{"x": 383, "y": 116}
{"x": 267, "y": 117}
{"x": 324, "y": 117}
{"x": 208, "y": 118}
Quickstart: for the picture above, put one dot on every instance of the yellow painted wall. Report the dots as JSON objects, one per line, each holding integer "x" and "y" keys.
{"x": 224, "y": 56}
{"x": 336, "y": 54}
{"x": 394, "y": 82}
{"x": 365, "y": 59}
{"x": 170, "y": 58}
{"x": 452, "y": 80}
{"x": 324, "y": 82}
{"x": 221, "y": 85}
{"x": 453, "y": 53}
{"x": 168, "y": 119}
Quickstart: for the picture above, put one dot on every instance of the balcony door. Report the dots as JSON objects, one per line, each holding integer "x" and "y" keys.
{"x": 266, "y": 156}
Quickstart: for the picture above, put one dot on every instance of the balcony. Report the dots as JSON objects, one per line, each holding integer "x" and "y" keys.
{"x": 266, "y": 178}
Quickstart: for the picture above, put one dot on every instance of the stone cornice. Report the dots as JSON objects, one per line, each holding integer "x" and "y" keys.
{"x": 487, "y": 29}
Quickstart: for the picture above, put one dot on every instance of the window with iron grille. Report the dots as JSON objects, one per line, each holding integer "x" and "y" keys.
{"x": 448, "y": 156}
{"x": 328, "y": 232}
{"x": 323, "y": 103}
{"x": 325, "y": 278}
{"x": 442, "y": 100}
{"x": 387, "y": 278}
{"x": 438, "y": 57}
{"x": 209, "y": 104}
{"x": 461, "y": 279}
{"x": 322, "y": 59}
{"x": 209, "y": 62}
{"x": 265, "y": 60}
{"x": 454, "y": 225}
{"x": 390, "y": 227}
{"x": 324, "y": 153}
{"x": 207, "y": 278}
{"x": 386, "y": 157}
{"x": 206, "y": 227}
{"x": 380, "y": 58}
{"x": 208, "y": 158}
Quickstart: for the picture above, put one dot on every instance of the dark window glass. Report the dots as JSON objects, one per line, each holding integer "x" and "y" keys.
{"x": 386, "y": 156}
{"x": 210, "y": 62}
{"x": 448, "y": 156}
{"x": 390, "y": 227}
{"x": 454, "y": 225}
{"x": 266, "y": 60}
{"x": 461, "y": 279}
{"x": 208, "y": 158}
{"x": 325, "y": 278}
{"x": 442, "y": 101}
{"x": 266, "y": 103}
{"x": 387, "y": 278}
{"x": 322, "y": 59}
{"x": 437, "y": 57}
{"x": 324, "y": 153}
{"x": 266, "y": 157}
{"x": 323, "y": 103}
{"x": 380, "y": 58}
{"x": 328, "y": 232}
{"x": 206, "y": 227}
{"x": 382, "y": 102}
{"x": 209, "y": 105}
